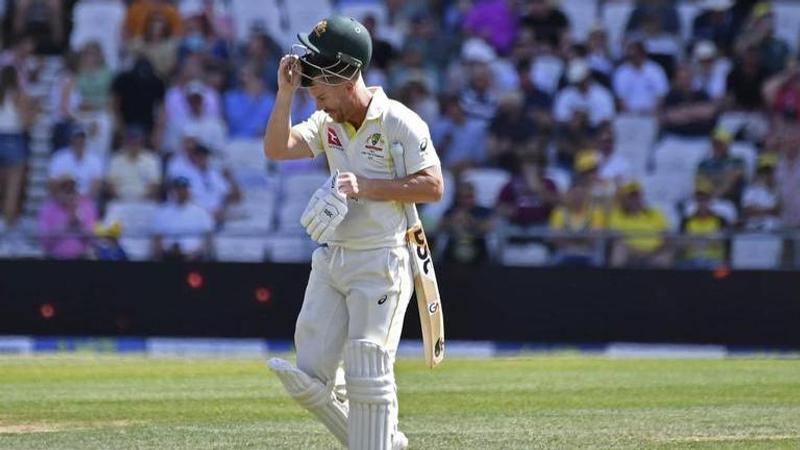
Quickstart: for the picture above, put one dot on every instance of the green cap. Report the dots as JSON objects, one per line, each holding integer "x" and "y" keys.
{"x": 338, "y": 41}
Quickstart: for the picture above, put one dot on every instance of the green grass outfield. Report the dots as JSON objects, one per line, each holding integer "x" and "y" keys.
{"x": 553, "y": 402}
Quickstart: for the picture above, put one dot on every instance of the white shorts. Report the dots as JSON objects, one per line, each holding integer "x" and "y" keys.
{"x": 351, "y": 294}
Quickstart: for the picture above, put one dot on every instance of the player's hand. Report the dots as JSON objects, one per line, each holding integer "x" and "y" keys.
{"x": 325, "y": 211}
{"x": 348, "y": 184}
{"x": 289, "y": 73}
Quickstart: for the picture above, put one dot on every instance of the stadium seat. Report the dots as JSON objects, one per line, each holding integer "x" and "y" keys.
{"x": 634, "y": 137}
{"x": 787, "y": 21}
{"x": 670, "y": 211}
{"x": 615, "y": 17}
{"x": 254, "y": 215}
{"x": 673, "y": 154}
{"x": 525, "y": 255}
{"x": 303, "y": 15}
{"x": 240, "y": 248}
{"x": 581, "y": 14}
{"x": 487, "y": 183}
{"x": 361, "y": 8}
{"x": 267, "y": 13}
{"x": 756, "y": 251}
{"x": 748, "y": 153}
{"x": 101, "y": 21}
{"x": 296, "y": 190}
{"x": 723, "y": 208}
{"x": 560, "y": 177}
{"x": 136, "y": 219}
{"x": 668, "y": 187}
{"x": 687, "y": 11}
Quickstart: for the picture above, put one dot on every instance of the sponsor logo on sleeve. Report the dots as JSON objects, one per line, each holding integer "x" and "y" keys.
{"x": 423, "y": 145}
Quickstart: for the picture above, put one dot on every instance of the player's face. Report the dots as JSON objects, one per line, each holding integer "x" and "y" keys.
{"x": 330, "y": 99}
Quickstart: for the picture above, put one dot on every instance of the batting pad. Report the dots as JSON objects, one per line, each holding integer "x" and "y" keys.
{"x": 313, "y": 396}
{"x": 372, "y": 394}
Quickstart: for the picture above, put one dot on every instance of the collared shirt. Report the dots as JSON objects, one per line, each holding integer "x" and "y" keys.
{"x": 185, "y": 225}
{"x": 85, "y": 170}
{"x": 132, "y": 178}
{"x": 60, "y": 238}
{"x": 640, "y": 88}
{"x": 366, "y": 152}
{"x": 597, "y": 102}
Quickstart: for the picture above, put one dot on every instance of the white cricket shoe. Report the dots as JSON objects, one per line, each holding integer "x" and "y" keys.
{"x": 400, "y": 441}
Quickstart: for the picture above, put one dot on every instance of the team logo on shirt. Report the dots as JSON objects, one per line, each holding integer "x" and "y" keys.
{"x": 333, "y": 139}
{"x": 373, "y": 141}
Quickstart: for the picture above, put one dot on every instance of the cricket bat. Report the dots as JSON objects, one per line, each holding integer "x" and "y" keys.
{"x": 425, "y": 286}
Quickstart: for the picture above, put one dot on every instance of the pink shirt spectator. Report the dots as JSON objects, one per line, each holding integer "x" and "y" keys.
{"x": 54, "y": 221}
{"x": 493, "y": 21}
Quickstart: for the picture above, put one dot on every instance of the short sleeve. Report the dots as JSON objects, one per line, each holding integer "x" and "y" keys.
{"x": 311, "y": 131}
{"x": 413, "y": 133}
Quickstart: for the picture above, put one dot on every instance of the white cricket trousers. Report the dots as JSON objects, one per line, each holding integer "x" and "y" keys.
{"x": 351, "y": 294}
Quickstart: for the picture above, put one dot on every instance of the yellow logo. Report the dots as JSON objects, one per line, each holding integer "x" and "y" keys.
{"x": 320, "y": 28}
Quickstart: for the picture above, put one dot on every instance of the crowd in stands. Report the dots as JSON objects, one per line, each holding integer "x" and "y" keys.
{"x": 558, "y": 127}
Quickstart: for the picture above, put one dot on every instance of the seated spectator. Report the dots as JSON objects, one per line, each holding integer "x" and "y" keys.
{"x": 66, "y": 221}
{"x": 181, "y": 228}
{"x": 211, "y": 188}
{"x": 640, "y": 83}
{"x": 587, "y": 172}
{"x": 759, "y": 32}
{"x": 382, "y": 50}
{"x": 614, "y": 167}
{"x": 158, "y": 43}
{"x": 510, "y": 128}
{"x": 209, "y": 129}
{"x": 93, "y": 80}
{"x": 134, "y": 172}
{"x": 687, "y": 112}
{"x": 466, "y": 226}
{"x": 641, "y": 242}
{"x": 657, "y": 24}
{"x": 106, "y": 246}
{"x": 760, "y": 205}
{"x": 460, "y": 140}
{"x": 260, "y": 50}
{"x": 787, "y": 175}
{"x": 199, "y": 38}
{"x": 529, "y": 197}
{"x": 43, "y": 21}
{"x": 782, "y": 93}
{"x": 726, "y": 172}
{"x": 571, "y": 138}
{"x": 710, "y": 70}
{"x": 81, "y": 165}
{"x": 178, "y": 109}
{"x": 716, "y": 22}
{"x": 746, "y": 81}
{"x": 140, "y": 10}
{"x": 480, "y": 99}
{"x": 583, "y": 95}
{"x": 538, "y": 103}
{"x": 546, "y": 20}
{"x": 704, "y": 247}
{"x": 577, "y": 215}
{"x": 599, "y": 56}
{"x": 16, "y": 115}
{"x": 138, "y": 99}
{"x": 418, "y": 97}
{"x": 247, "y": 108}
{"x": 664, "y": 11}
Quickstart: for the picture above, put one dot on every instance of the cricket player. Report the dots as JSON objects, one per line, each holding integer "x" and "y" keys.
{"x": 361, "y": 279}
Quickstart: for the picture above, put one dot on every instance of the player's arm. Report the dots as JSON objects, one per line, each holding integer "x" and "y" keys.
{"x": 423, "y": 186}
{"x": 280, "y": 141}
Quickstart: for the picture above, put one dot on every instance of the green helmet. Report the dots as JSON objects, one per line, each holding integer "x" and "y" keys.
{"x": 335, "y": 51}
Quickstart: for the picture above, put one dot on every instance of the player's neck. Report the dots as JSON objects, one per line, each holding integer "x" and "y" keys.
{"x": 361, "y": 100}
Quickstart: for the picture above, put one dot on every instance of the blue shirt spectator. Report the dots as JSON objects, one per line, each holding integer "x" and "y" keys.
{"x": 461, "y": 141}
{"x": 248, "y": 107}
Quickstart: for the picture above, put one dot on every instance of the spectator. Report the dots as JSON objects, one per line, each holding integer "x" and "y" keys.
{"x": 578, "y": 216}
{"x": 20, "y": 56}
{"x": 248, "y": 107}
{"x": 66, "y": 220}
{"x": 787, "y": 175}
{"x": 657, "y": 25}
{"x": 178, "y": 110}
{"x": 599, "y": 56}
{"x": 587, "y": 172}
{"x": 460, "y": 140}
{"x": 614, "y": 167}
{"x": 106, "y": 246}
{"x": 43, "y": 21}
{"x": 198, "y": 120}
{"x": 547, "y": 22}
{"x": 640, "y": 83}
{"x": 82, "y": 166}
{"x": 92, "y": 81}
{"x": 529, "y": 197}
{"x": 262, "y": 52}
{"x": 538, "y": 103}
{"x": 745, "y": 82}
{"x": 782, "y": 93}
{"x": 182, "y": 229}
{"x": 158, "y": 43}
{"x": 199, "y": 38}
{"x": 418, "y": 97}
{"x": 141, "y": 10}
{"x": 493, "y": 21}
{"x": 382, "y": 50}
{"x": 16, "y": 115}
{"x": 704, "y": 248}
{"x": 584, "y": 96}
{"x": 640, "y": 228}
{"x": 760, "y": 204}
{"x": 710, "y": 71}
{"x": 134, "y": 172}
{"x": 466, "y": 226}
{"x": 663, "y": 11}
{"x": 480, "y": 98}
{"x": 212, "y": 188}
{"x": 717, "y": 23}
{"x": 687, "y": 112}
{"x": 138, "y": 99}
{"x": 726, "y": 172}
{"x": 759, "y": 32}
{"x": 510, "y": 128}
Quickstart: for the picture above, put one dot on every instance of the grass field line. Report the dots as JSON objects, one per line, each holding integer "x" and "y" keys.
{"x": 52, "y": 427}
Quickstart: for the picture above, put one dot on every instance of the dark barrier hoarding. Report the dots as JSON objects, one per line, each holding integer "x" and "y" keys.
{"x": 746, "y": 308}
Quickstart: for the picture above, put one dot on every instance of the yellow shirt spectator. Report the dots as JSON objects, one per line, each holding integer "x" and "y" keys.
{"x": 634, "y": 226}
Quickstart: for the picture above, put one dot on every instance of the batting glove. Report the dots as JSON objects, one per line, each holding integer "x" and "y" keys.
{"x": 325, "y": 211}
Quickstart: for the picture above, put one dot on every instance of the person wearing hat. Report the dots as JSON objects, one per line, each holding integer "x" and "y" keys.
{"x": 760, "y": 201}
{"x": 580, "y": 216}
{"x": 717, "y": 22}
{"x": 710, "y": 71}
{"x": 726, "y": 172}
{"x": 79, "y": 163}
{"x": 759, "y": 32}
{"x": 361, "y": 280}
{"x": 208, "y": 128}
{"x": 703, "y": 246}
{"x": 640, "y": 230}
{"x": 181, "y": 228}
{"x": 66, "y": 220}
{"x": 106, "y": 246}
{"x": 135, "y": 171}
{"x": 583, "y": 95}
